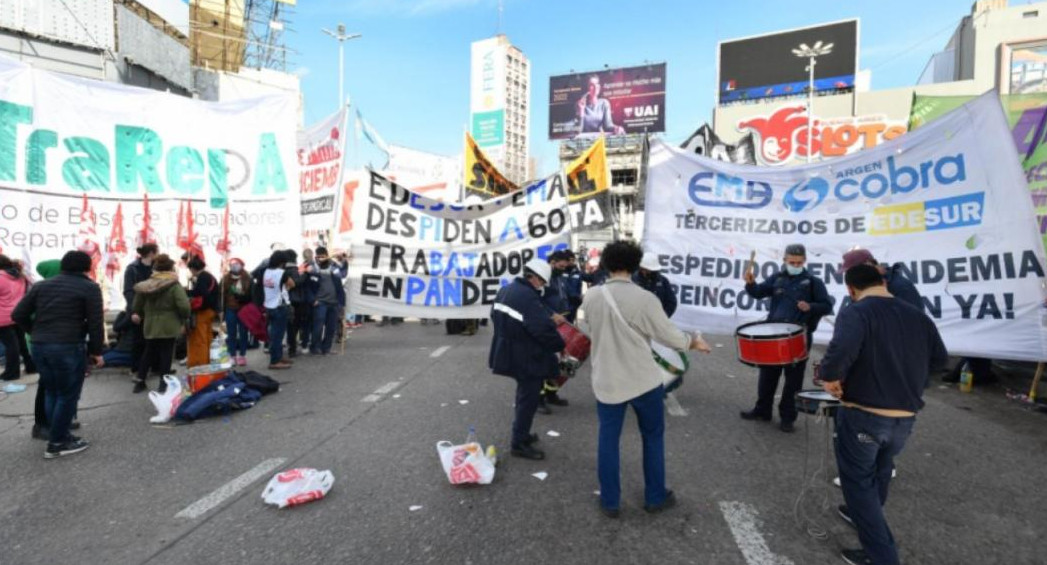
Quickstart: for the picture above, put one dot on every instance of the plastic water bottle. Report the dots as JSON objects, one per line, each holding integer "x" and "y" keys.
{"x": 492, "y": 454}
{"x": 966, "y": 378}
{"x": 471, "y": 438}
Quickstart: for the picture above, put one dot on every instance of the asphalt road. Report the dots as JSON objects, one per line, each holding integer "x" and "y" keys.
{"x": 968, "y": 489}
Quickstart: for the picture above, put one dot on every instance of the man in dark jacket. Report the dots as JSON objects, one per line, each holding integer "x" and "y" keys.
{"x": 650, "y": 278}
{"x": 301, "y": 307}
{"x": 572, "y": 283}
{"x": 897, "y": 284}
{"x": 797, "y": 297}
{"x": 524, "y": 347}
{"x": 878, "y": 363}
{"x": 137, "y": 271}
{"x": 327, "y": 293}
{"x": 59, "y": 313}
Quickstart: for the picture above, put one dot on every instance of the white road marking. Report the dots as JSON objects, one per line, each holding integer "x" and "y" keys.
{"x": 673, "y": 406}
{"x": 228, "y": 490}
{"x": 741, "y": 518}
{"x": 439, "y": 351}
{"x": 382, "y": 391}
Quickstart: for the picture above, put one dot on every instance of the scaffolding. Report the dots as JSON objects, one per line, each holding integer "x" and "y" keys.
{"x": 266, "y": 23}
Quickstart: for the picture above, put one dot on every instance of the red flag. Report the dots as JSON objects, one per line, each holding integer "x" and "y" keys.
{"x": 116, "y": 247}
{"x": 89, "y": 235}
{"x": 146, "y": 235}
{"x": 192, "y": 246}
{"x": 182, "y": 240}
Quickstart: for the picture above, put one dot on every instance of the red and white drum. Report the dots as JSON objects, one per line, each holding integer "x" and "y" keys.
{"x": 771, "y": 344}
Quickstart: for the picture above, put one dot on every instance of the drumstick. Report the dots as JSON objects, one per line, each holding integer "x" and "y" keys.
{"x": 751, "y": 267}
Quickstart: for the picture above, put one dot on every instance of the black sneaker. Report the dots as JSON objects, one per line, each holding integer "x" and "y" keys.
{"x": 139, "y": 387}
{"x": 846, "y": 515}
{"x": 73, "y": 445}
{"x": 40, "y": 432}
{"x": 754, "y": 415}
{"x": 555, "y": 400}
{"x": 526, "y": 451}
{"x": 855, "y": 557}
{"x": 787, "y": 427}
{"x": 669, "y": 502}
{"x": 532, "y": 439}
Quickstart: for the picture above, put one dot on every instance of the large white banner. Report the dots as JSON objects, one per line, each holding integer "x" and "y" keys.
{"x": 62, "y": 138}
{"x": 321, "y": 150}
{"x": 947, "y": 203}
{"x": 415, "y": 256}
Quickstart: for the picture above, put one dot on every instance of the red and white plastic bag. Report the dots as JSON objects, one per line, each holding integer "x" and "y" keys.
{"x": 297, "y": 486}
{"x": 465, "y": 464}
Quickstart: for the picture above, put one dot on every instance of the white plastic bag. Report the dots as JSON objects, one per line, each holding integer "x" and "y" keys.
{"x": 465, "y": 464}
{"x": 167, "y": 404}
{"x": 297, "y": 486}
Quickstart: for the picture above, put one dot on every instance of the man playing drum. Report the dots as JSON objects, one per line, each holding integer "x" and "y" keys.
{"x": 796, "y": 297}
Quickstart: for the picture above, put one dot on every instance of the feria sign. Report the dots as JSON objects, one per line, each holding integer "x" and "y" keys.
{"x": 781, "y": 137}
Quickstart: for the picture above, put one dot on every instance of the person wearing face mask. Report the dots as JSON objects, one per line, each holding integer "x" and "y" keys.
{"x": 650, "y": 278}
{"x": 137, "y": 271}
{"x": 797, "y": 297}
{"x": 328, "y": 296}
{"x": 236, "y": 290}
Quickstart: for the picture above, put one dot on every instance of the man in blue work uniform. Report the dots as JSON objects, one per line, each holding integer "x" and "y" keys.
{"x": 796, "y": 297}
{"x": 878, "y": 363}
{"x": 650, "y": 278}
{"x": 524, "y": 347}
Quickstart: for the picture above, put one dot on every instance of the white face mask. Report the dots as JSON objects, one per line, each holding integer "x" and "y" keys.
{"x": 793, "y": 270}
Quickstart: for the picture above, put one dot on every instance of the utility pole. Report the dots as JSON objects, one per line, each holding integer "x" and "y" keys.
{"x": 342, "y": 37}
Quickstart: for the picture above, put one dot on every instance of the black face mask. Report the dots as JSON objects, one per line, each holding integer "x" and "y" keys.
{"x": 324, "y": 262}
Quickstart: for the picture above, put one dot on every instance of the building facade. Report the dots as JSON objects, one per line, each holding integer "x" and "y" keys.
{"x": 996, "y": 46}
{"x": 499, "y": 105}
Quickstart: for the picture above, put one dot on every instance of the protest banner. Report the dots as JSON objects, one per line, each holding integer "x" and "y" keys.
{"x": 435, "y": 176}
{"x": 321, "y": 149}
{"x": 1027, "y": 116}
{"x": 480, "y": 177}
{"x": 415, "y": 256}
{"x": 63, "y": 137}
{"x": 946, "y": 203}
{"x": 588, "y": 189}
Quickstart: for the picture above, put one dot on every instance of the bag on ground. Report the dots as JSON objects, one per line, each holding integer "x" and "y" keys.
{"x": 465, "y": 464}
{"x": 167, "y": 404}
{"x": 297, "y": 486}
{"x": 257, "y": 381}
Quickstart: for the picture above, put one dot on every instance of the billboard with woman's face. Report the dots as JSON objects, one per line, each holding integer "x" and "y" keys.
{"x": 611, "y": 101}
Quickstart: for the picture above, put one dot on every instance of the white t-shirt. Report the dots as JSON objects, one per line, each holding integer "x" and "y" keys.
{"x": 275, "y": 293}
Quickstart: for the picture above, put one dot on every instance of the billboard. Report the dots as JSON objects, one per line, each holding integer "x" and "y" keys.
{"x": 612, "y": 101}
{"x": 487, "y": 95}
{"x": 764, "y": 66}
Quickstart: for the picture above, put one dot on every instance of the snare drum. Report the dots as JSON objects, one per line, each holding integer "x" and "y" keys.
{"x": 771, "y": 344}
{"x": 578, "y": 344}
{"x": 672, "y": 363}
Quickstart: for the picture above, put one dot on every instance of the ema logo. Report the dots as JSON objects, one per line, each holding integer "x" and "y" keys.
{"x": 847, "y": 186}
{"x": 728, "y": 192}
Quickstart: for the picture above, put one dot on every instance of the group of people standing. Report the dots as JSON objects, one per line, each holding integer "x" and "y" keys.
{"x": 882, "y": 353}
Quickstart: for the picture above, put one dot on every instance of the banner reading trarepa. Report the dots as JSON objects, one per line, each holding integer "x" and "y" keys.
{"x": 64, "y": 137}
{"x": 945, "y": 205}
{"x": 415, "y": 256}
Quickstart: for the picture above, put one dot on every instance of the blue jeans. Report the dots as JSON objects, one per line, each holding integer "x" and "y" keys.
{"x": 650, "y": 415}
{"x": 325, "y": 327}
{"x": 62, "y": 367}
{"x": 865, "y": 448}
{"x": 236, "y": 334}
{"x": 277, "y": 329}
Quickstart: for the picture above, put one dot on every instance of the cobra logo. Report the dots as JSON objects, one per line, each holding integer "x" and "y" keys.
{"x": 806, "y": 195}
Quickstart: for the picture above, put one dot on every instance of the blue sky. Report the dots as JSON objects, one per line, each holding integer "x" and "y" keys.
{"x": 409, "y": 73}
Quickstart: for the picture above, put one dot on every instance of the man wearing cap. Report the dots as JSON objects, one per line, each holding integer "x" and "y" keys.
{"x": 797, "y": 297}
{"x": 899, "y": 286}
{"x": 650, "y": 278}
{"x": 524, "y": 347}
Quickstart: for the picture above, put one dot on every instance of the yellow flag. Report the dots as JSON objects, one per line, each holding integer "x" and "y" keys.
{"x": 588, "y": 175}
{"x": 480, "y": 175}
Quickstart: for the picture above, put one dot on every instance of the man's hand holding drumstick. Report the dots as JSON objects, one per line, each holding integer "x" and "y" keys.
{"x": 750, "y": 269}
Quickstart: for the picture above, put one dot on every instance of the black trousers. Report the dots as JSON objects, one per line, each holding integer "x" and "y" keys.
{"x": 528, "y": 392}
{"x": 157, "y": 356}
{"x": 9, "y": 337}
{"x": 768, "y": 385}
{"x": 299, "y": 326}
{"x": 27, "y": 358}
{"x": 138, "y": 350}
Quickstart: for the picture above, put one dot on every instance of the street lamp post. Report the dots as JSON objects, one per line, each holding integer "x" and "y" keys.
{"x": 811, "y": 54}
{"x": 342, "y": 37}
